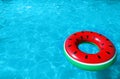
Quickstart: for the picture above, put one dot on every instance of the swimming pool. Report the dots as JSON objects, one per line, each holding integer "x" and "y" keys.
{"x": 32, "y": 33}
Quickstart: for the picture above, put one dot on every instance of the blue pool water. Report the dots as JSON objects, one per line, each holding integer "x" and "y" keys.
{"x": 32, "y": 33}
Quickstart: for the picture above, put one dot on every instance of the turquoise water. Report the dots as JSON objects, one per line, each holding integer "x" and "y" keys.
{"x": 32, "y": 33}
{"x": 89, "y": 48}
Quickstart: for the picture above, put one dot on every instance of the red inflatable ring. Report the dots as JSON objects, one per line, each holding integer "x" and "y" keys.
{"x": 101, "y": 60}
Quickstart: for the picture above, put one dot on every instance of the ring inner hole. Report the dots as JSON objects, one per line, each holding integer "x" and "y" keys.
{"x": 88, "y": 47}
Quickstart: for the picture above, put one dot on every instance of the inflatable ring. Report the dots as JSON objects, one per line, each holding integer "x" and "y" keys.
{"x": 101, "y": 60}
